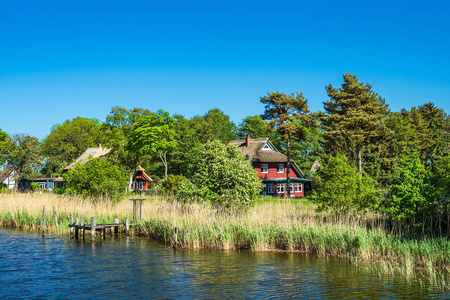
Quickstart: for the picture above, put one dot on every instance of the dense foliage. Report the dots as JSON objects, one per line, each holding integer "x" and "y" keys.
{"x": 99, "y": 178}
{"x": 67, "y": 141}
{"x": 338, "y": 186}
{"x": 23, "y": 154}
{"x": 221, "y": 176}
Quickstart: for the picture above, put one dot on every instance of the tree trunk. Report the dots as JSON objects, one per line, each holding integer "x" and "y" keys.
{"x": 288, "y": 166}
{"x": 164, "y": 161}
{"x": 359, "y": 160}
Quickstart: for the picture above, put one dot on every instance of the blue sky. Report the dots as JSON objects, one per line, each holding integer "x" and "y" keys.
{"x": 64, "y": 59}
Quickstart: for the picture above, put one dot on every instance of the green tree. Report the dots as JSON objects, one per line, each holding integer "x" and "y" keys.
{"x": 353, "y": 122}
{"x": 439, "y": 125}
{"x": 339, "y": 187}
{"x": 23, "y": 154}
{"x": 282, "y": 110}
{"x": 183, "y": 156}
{"x": 411, "y": 196}
{"x": 116, "y": 133}
{"x": 221, "y": 176}
{"x": 154, "y": 134}
{"x": 254, "y": 126}
{"x": 307, "y": 146}
{"x": 3, "y": 137}
{"x": 67, "y": 141}
{"x": 214, "y": 125}
{"x": 97, "y": 178}
{"x": 443, "y": 175}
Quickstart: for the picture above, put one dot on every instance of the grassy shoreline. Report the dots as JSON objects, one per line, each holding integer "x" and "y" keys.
{"x": 276, "y": 225}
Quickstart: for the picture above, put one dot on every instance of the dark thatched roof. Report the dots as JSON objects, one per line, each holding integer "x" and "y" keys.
{"x": 253, "y": 151}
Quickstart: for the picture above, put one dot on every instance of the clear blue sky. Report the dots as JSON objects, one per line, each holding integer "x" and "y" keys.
{"x": 63, "y": 59}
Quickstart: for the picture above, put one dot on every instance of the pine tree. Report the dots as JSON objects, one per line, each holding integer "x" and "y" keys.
{"x": 353, "y": 122}
{"x": 282, "y": 110}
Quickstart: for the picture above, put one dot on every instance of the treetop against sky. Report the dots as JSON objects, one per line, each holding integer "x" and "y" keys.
{"x": 60, "y": 60}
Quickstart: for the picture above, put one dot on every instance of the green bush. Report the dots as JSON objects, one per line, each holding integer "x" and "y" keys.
{"x": 4, "y": 188}
{"x": 222, "y": 177}
{"x": 97, "y": 178}
{"x": 171, "y": 184}
{"x": 339, "y": 187}
{"x": 34, "y": 187}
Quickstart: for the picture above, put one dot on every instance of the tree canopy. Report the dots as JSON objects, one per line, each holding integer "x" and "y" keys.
{"x": 354, "y": 123}
{"x": 22, "y": 153}
{"x": 155, "y": 135}
{"x": 68, "y": 141}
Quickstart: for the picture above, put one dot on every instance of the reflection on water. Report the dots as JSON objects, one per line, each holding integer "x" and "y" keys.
{"x": 57, "y": 267}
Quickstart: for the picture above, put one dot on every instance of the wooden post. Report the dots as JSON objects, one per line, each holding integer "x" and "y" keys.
{"x": 71, "y": 223}
{"x": 82, "y": 227}
{"x": 116, "y": 228}
{"x": 76, "y": 228}
{"x": 134, "y": 210}
{"x": 140, "y": 210}
{"x": 93, "y": 228}
{"x": 127, "y": 226}
{"x": 43, "y": 220}
{"x": 175, "y": 237}
{"x": 56, "y": 217}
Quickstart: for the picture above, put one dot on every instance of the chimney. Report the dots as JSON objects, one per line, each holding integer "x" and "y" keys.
{"x": 247, "y": 140}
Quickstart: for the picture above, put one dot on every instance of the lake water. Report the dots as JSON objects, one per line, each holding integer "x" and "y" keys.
{"x": 122, "y": 267}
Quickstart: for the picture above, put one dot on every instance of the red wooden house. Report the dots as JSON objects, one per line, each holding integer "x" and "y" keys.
{"x": 140, "y": 180}
{"x": 271, "y": 167}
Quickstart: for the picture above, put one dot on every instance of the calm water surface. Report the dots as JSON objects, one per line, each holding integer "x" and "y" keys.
{"x": 32, "y": 267}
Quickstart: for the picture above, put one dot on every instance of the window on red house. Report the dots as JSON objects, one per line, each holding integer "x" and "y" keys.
{"x": 280, "y": 168}
{"x": 264, "y": 168}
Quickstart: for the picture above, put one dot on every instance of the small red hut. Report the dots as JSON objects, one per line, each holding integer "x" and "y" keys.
{"x": 140, "y": 180}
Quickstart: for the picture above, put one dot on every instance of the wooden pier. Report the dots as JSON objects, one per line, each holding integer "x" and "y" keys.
{"x": 78, "y": 228}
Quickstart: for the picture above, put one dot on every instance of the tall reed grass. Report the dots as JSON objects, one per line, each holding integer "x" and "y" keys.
{"x": 286, "y": 225}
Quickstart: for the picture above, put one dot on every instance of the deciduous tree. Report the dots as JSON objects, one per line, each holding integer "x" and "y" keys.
{"x": 68, "y": 141}
{"x": 153, "y": 134}
{"x": 339, "y": 187}
{"x": 23, "y": 154}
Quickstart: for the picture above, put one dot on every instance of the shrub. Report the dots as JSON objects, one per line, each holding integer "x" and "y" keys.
{"x": 339, "y": 187}
{"x": 98, "y": 177}
{"x": 221, "y": 176}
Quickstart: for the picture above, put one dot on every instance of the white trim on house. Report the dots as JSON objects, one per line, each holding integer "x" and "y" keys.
{"x": 281, "y": 188}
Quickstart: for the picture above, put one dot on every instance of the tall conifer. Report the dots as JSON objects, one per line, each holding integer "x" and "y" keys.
{"x": 281, "y": 110}
{"x": 353, "y": 121}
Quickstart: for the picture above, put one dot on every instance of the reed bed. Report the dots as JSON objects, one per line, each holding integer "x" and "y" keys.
{"x": 275, "y": 225}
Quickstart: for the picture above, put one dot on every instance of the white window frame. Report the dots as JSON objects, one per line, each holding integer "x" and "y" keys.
{"x": 270, "y": 188}
{"x": 265, "y": 170}
{"x": 42, "y": 186}
{"x": 280, "y": 170}
{"x": 266, "y": 147}
{"x": 298, "y": 188}
{"x": 291, "y": 187}
{"x": 281, "y": 188}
